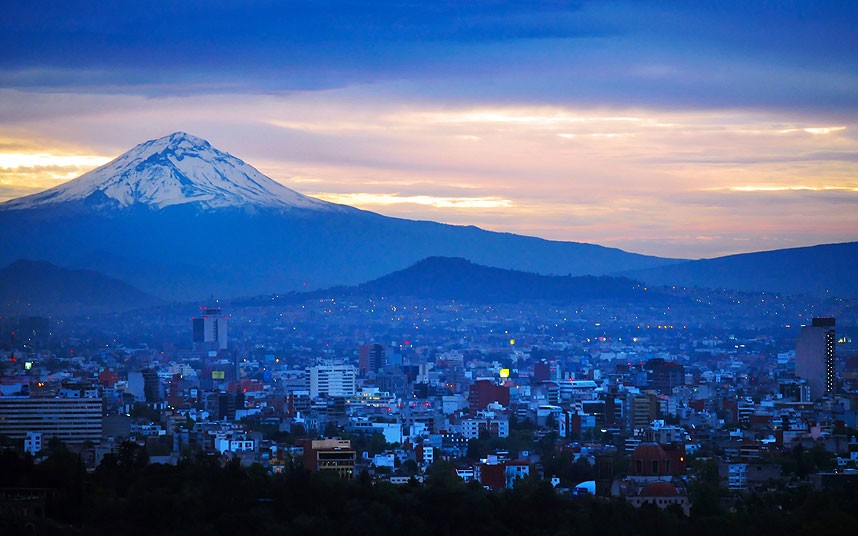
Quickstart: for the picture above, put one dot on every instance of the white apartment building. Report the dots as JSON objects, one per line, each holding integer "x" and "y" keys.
{"x": 332, "y": 380}
{"x": 73, "y": 420}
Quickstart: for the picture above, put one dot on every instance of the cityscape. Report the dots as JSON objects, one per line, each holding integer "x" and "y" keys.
{"x": 630, "y": 403}
{"x": 429, "y": 268}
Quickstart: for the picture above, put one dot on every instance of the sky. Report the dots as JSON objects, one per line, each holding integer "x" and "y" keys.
{"x": 671, "y": 128}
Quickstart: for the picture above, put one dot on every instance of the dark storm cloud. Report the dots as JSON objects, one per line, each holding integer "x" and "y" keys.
{"x": 276, "y": 44}
{"x": 717, "y": 54}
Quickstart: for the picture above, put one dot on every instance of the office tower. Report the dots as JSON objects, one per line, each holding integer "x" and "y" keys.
{"x": 145, "y": 385}
{"x": 210, "y": 329}
{"x": 665, "y": 375}
{"x": 643, "y": 409}
{"x": 370, "y": 358}
{"x": 815, "y": 356}
{"x": 73, "y": 420}
{"x": 332, "y": 380}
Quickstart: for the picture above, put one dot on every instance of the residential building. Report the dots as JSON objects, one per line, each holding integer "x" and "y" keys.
{"x": 484, "y": 392}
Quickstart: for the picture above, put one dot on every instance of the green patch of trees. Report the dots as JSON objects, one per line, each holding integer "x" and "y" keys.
{"x": 128, "y": 495}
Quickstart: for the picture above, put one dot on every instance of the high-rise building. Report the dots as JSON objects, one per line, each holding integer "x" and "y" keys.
{"x": 370, "y": 358}
{"x": 815, "y": 356}
{"x": 331, "y": 380}
{"x": 145, "y": 385}
{"x": 665, "y": 375}
{"x": 73, "y": 420}
{"x": 210, "y": 329}
{"x": 643, "y": 409}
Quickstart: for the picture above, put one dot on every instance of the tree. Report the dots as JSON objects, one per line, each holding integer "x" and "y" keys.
{"x": 132, "y": 456}
{"x": 331, "y": 429}
{"x": 551, "y": 422}
{"x": 409, "y": 468}
{"x": 704, "y": 490}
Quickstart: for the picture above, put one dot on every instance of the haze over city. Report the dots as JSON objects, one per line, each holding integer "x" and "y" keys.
{"x": 672, "y": 129}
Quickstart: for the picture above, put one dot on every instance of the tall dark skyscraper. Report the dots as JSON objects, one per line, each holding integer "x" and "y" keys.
{"x": 210, "y": 329}
{"x": 815, "y": 356}
{"x": 370, "y": 358}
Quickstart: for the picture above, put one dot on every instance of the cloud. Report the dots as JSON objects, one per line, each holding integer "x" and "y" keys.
{"x": 728, "y": 54}
{"x": 383, "y": 200}
{"x": 641, "y": 178}
{"x": 14, "y": 191}
{"x": 18, "y": 161}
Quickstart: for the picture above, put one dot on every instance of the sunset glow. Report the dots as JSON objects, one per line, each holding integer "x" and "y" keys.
{"x": 677, "y": 142}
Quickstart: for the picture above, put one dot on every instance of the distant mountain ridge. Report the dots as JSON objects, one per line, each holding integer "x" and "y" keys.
{"x": 181, "y": 220}
{"x": 458, "y": 279}
{"x": 815, "y": 270}
{"x": 41, "y": 288}
{"x": 461, "y": 279}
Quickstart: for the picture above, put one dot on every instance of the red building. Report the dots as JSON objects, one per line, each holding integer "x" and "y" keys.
{"x": 484, "y": 392}
{"x": 108, "y": 378}
{"x": 654, "y": 460}
{"x": 370, "y": 358}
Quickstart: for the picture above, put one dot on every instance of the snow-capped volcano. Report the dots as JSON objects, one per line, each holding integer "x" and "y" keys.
{"x": 181, "y": 220}
{"x": 174, "y": 170}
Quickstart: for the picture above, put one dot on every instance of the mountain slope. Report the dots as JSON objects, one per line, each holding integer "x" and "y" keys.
{"x": 181, "y": 220}
{"x": 182, "y": 253}
{"x": 460, "y": 279}
{"x": 36, "y": 287}
{"x": 817, "y": 270}
{"x": 173, "y": 170}
{"x": 454, "y": 278}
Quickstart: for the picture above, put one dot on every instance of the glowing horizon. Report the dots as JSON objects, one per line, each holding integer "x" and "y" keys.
{"x": 649, "y": 129}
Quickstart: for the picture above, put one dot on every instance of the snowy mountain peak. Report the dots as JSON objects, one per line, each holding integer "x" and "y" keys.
{"x": 176, "y": 142}
{"x": 174, "y": 170}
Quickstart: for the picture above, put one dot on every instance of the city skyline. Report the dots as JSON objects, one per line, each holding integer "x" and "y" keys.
{"x": 657, "y": 128}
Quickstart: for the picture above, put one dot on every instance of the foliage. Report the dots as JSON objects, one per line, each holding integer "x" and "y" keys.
{"x": 570, "y": 471}
{"x": 372, "y": 444}
{"x": 802, "y": 462}
{"x": 126, "y": 495}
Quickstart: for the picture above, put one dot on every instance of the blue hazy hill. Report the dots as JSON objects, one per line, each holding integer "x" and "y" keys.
{"x": 828, "y": 269}
{"x": 458, "y": 279}
{"x": 41, "y": 288}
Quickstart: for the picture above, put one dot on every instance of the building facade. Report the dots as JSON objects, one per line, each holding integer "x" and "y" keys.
{"x": 815, "y": 356}
{"x": 209, "y": 330}
{"x": 332, "y": 380}
{"x": 72, "y": 420}
{"x": 335, "y": 455}
{"x": 370, "y": 358}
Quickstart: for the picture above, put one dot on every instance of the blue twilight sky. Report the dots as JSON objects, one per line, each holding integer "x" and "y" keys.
{"x": 673, "y": 128}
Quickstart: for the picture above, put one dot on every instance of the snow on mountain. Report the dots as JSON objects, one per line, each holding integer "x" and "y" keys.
{"x": 174, "y": 170}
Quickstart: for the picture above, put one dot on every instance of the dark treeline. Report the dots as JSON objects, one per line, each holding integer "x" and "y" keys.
{"x": 127, "y": 495}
